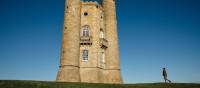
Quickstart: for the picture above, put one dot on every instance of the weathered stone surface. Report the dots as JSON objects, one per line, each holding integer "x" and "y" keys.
{"x": 112, "y": 53}
{"x": 69, "y": 65}
{"x": 68, "y": 74}
{"x": 102, "y": 64}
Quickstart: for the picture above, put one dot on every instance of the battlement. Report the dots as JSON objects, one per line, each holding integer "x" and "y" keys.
{"x": 95, "y": 1}
{"x": 91, "y": 3}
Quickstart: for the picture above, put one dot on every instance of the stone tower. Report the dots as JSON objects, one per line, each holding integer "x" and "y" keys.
{"x": 90, "y": 43}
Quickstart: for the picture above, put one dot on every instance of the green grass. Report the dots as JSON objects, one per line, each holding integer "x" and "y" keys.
{"x": 45, "y": 84}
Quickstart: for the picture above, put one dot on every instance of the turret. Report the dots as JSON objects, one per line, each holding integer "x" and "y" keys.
{"x": 69, "y": 64}
{"x": 112, "y": 53}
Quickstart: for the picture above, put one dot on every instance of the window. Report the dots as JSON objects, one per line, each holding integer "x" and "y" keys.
{"x": 101, "y": 33}
{"x": 102, "y": 56}
{"x": 86, "y": 31}
{"x": 85, "y": 13}
{"x": 85, "y": 55}
{"x": 102, "y": 15}
{"x": 97, "y": 6}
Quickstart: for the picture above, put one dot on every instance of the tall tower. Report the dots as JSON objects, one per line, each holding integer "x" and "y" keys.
{"x": 69, "y": 64}
{"x": 90, "y": 43}
{"x": 112, "y": 53}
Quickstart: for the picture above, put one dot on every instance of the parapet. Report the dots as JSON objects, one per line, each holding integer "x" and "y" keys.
{"x": 92, "y": 3}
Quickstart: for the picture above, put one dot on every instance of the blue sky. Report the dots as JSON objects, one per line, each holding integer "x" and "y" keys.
{"x": 152, "y": 34}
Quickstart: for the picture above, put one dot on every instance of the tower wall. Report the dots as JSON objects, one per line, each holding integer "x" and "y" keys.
{"x": 69, "y": 64}
{"x": 89, "y": 70}
{"x": 112, "y": 70}
{"x": 92, "y": 58}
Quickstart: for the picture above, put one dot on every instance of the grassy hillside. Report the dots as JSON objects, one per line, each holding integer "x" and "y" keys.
{"x": 44, "y": 84}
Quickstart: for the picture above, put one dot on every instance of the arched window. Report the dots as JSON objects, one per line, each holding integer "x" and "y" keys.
{"x": 86, "y": 31}
{"x": 101, "y": 33}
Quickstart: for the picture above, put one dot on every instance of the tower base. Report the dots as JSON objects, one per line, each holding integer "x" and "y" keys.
{"x": 89, "y": 75}
{"x": 68, "y": 74}
{"x": 112, "y": 76}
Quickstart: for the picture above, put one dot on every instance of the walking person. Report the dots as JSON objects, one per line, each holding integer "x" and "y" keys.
{"x": 164, "y": 73}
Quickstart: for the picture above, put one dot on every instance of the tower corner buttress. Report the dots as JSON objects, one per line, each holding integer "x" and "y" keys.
{"x": 112, "y": 53}
{"x": 69, "y": 62}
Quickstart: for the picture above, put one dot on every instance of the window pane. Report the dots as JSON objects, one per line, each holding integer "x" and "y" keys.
{"x": 85, "y": 55}
{"x": 101, "y": 33}
{"x": 86, "y": 31}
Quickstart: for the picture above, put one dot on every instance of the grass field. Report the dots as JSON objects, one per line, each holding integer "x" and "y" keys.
{"x": 45, "y": 84}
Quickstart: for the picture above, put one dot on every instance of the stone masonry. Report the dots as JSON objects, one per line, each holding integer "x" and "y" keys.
{"x": 90, "y": 43}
